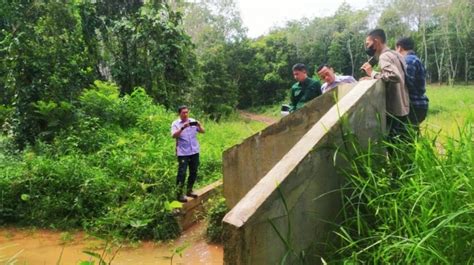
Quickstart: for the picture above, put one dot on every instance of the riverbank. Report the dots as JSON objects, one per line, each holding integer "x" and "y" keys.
{"x": 37, "y": 246}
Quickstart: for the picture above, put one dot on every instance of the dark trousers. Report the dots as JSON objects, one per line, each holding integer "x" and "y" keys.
{"x": 398, "y": 137}
{"x": 415, "y": 117}
{"x": 397, "y": 127}
{"x": 183, "y": 162}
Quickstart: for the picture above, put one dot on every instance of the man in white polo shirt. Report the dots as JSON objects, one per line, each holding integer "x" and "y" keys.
{"x": 326, "y": 74}
{"x": 184, "y": 130}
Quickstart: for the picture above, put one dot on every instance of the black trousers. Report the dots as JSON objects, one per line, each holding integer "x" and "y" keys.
{"x": 397, "y": 127}
{"x": 398, "y": 136}
{"x": 184, "y": 162}
{"x": 415, "y": 117}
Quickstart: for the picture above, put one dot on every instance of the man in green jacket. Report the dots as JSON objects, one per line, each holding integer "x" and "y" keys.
{"x": 305, "y": 89}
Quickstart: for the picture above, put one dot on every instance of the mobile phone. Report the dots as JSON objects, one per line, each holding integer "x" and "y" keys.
{"x": 372, "y": 61}
{"x": 193, "y": 123}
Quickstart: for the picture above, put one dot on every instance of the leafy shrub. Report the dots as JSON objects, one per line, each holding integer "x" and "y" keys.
{"x": 141, "y": 217}
{"x": 11, "y": 169}
{"x": 131, "y": 107}
{"x": 53, "y": 117}
{"x": 49, "y": 192}
{"x": 87, "y": 136}
{"x": 5, "y": 112}
{"x": 216, "y": 212}
{"x": 99, "y": 101}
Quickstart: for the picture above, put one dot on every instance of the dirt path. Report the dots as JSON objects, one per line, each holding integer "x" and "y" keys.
{"x": 257, "y": 117}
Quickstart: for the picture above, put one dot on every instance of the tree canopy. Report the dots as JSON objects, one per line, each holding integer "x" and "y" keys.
{"x": 198, "y": 53}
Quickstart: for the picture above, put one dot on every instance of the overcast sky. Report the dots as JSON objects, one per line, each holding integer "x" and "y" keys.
{"x": 260, "y": 15}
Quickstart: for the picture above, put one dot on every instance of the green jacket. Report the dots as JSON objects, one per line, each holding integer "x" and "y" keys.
{"x": 304, "y": 92}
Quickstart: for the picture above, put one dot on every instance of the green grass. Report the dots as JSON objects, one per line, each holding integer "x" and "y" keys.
{"x": 221, "y": 136}
{"x": 417, "y": 205}
{"x": 414, "y": 206}
{"x": 449, "y": 107}
{"x": 270, "y": 110}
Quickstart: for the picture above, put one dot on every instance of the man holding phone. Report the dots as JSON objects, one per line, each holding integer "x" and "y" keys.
{"x": 185, "y": 130}
{"x": 392, "y": 66}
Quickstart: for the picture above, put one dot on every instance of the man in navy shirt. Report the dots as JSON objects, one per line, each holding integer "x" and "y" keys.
{"x": 415, "y": 82}
{"x": 184, "y": 130}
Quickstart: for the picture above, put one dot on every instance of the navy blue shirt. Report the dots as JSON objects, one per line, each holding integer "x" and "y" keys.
{"x": 415, "y": 81}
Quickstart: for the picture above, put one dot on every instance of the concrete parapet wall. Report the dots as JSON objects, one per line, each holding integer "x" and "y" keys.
{"x": 307, "y": 177}
{"x": 245, "y": 164}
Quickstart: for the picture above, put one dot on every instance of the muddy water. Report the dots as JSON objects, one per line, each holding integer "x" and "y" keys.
{"x": 32, "y": 247}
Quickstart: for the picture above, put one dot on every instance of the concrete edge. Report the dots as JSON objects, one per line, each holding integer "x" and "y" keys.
{"x": 255, "y": 198}
{"x": 189, "y": 213}
{"x": 202, "y": 195}
{"x": 280, "y": 122}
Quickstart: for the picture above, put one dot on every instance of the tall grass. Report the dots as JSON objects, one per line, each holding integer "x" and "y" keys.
{"x": 414, "y": 206}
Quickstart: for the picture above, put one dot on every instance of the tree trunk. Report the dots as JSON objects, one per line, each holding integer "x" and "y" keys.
{"x": 452, "y": 64}
{"x": 425, "y": 45}
{"x": 466, "y": 67}
{"x": 125, "y": 86}
{"x": 439, "y": 62}
{"x": 464, "y": 49}
{"x": 350, "y": 54}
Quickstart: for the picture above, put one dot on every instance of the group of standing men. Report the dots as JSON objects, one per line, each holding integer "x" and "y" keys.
{"x": 401, "y": 70}
{"x": 406, "y": 102}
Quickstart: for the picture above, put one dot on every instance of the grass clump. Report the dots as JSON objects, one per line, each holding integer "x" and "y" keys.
{"x": 217, "y": 209}
{"x": 414, "y": 206}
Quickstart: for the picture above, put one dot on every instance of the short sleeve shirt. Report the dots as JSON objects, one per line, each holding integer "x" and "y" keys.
{"x": 338, "y": 80}
{"x": 187, "y": 143}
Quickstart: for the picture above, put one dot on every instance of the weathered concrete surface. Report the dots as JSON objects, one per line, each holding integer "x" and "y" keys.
{"x": 245, "y": 164}
{"x": 193, "y": 210}
{"x": 308, "y": 179}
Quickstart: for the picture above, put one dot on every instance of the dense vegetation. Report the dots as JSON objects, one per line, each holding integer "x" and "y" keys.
{"x": 216, "y": 211}
{"x": 111, "y": 171}
{"x": 450, "y": 108}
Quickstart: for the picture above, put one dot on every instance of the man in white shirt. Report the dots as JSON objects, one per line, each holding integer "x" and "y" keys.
{"x": 326, "y": 74}
{"x": 184, "y": 130}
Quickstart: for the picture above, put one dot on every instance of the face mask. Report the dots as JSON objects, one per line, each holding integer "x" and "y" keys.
{"x": 370, "y": 50}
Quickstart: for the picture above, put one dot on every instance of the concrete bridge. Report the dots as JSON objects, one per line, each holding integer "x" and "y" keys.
{"x": 283, "y": 184}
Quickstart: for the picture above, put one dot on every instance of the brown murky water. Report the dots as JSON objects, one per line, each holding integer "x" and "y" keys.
{"x": 38, "y": 247}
